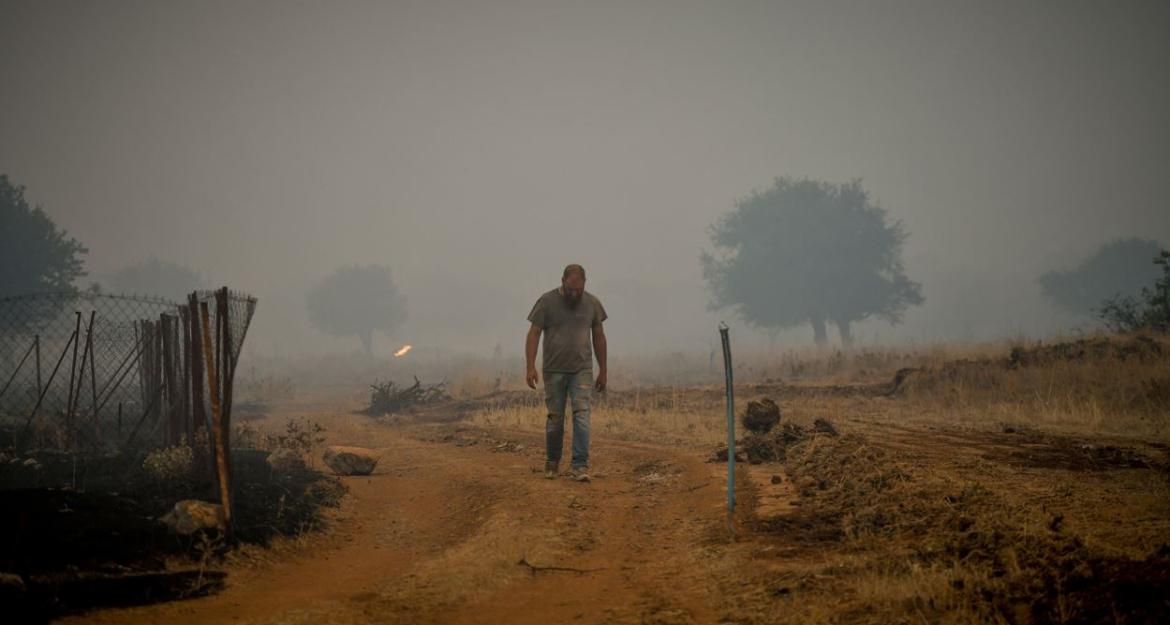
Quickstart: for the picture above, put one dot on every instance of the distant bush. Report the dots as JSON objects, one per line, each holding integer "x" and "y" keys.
{"x": 1116, "y": 270}
{"x": 1150, "y": 311}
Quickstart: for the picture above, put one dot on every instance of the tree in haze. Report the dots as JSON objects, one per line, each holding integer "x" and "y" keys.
{"x": 356, "y": 301}
{"x": 155, "y": 277}
{"x": 1117, "y": 270}
{"x": 35, "y": 255}
{"x": 1150, "y": 310}
{"x": 807, "y": 251}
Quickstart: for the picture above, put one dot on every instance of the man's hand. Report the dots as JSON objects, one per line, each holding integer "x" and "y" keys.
{"x": 530, "y": 343}
{"x": 600, "y": 384}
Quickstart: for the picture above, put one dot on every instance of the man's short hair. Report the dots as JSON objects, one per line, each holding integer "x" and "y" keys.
{"x": 573, "y": 269}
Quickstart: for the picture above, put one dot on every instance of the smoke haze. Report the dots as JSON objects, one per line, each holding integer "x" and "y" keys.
{"x": 478, "y": 147}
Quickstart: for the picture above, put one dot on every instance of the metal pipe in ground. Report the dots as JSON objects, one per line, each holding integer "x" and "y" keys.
{"x": 726, "y": 340}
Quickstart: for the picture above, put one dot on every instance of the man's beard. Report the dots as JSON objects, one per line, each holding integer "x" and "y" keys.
{"x": 571, "y": 301}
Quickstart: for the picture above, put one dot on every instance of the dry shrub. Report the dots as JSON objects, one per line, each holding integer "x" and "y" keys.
{"x": 169, "y": 464}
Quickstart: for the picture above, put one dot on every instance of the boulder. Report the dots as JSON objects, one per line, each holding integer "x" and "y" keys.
{"x": 14, "y": 597}
{"x": 761, "y": 416}
{"x": 10, "y": 584}
{"x": 286, "y": 461}
{"x": 191, "y": 515}
{"x": 351, "y": 460}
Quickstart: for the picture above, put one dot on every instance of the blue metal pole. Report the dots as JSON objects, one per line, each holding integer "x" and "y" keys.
{"x": 730, "y": 425}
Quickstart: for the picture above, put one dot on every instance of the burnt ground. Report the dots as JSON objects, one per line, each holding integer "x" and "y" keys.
{"x": 85, "y": 532}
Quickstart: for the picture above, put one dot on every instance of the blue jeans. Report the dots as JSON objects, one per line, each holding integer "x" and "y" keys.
{"x": 577, "y": 388}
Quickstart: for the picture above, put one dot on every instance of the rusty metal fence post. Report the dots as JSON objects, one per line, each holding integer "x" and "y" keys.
{"x": 222, "y": 452}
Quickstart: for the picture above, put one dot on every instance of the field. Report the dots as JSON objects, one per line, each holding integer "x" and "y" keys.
{"x": 1015, "y": 483}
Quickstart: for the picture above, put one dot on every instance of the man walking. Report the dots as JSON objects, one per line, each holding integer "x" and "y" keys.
{"x": 570, "y": 319}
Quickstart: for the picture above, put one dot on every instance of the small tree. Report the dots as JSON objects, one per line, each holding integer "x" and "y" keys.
{"x": 806, "y": 251}
{"x": 1149, "y": 311}
{"x": 356, "y": 301}
{"x": 1116, "y": 271}
{"x": 155, "y": 277}
{"x": 35, "y": 255}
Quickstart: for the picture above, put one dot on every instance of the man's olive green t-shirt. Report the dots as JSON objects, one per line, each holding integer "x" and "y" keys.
{"x": 568, "y": 346}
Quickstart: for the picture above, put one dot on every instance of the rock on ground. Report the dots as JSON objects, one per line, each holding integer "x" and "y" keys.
{"x": 286, "y": 461}
{"x": 761, "y": 415}
{"x": 822, "y": 426}
{"x": 351, "y": 460}
{"x": 191, "y": 515}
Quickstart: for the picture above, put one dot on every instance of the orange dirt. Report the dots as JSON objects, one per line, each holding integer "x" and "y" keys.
{"x": 457, "y": 525}
{"x": 438, "y": 532}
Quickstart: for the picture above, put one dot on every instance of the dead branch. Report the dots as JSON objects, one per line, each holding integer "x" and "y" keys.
{"x": 534, "y": 569}
{"x": 389, "y": 398}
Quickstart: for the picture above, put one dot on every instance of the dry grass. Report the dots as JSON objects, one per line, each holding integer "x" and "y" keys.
{"x": 669, "y": 415}
{"x": 1118, "y": 386}
{"x": 1009, "y": 483}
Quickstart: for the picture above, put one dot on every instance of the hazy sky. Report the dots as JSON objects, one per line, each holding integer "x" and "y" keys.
{"x": 478, "y": 147}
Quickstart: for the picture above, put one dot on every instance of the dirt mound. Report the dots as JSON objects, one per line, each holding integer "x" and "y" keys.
{"x": 761, "y": 415}
{"x": 856, "y": 497}
{"x": 772, "y": 446}
{"x": 822, "y": 426}
{"x": 1072, "y": 455}
{"x": 900, "y": 378}
{"x": 1083, "y": 350}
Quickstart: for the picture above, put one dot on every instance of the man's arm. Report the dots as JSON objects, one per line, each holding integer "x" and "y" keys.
{"x": 599, "y": 348}
{"x": 530, "y": 344}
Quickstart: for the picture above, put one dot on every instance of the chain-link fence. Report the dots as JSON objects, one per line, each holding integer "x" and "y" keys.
{"x": 90, "y": 371}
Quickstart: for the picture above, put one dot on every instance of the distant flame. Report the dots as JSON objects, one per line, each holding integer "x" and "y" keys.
{"x": 402, "y": 352}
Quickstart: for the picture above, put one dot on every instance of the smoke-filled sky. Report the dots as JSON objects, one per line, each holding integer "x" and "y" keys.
{"x": 478, "y": 147}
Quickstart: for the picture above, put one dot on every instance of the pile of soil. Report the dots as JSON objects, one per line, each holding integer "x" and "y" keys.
{"x": 856, "y": 497}
{"x": 761, "y": 415}
{"x": 1142, "y": 348}
{"x": 764, "y": 442}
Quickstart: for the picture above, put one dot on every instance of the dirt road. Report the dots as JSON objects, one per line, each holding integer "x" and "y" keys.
{"x": 459, "y": 528}
{"x": 887, "y": 523}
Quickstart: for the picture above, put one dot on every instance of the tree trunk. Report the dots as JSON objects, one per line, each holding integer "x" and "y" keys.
{"x": 367, "y": 338}
{"x": 846, "y": 333}
{"x": 820, "y": 334}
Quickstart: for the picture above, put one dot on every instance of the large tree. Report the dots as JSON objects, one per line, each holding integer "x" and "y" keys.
{"x": 35, "y": 255}
{"x": 155, "y": 277}
{"x": 807, "y": 251}
{"x": 356, "y": 301}
{"x": 1116, "y": 271}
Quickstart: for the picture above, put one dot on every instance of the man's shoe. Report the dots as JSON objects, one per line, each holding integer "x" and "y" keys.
{"x": 581, "y": 475}
{"x": 550, "y": 470}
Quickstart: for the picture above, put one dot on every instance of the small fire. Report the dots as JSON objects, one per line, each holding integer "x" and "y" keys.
{"x": 402, "y": 352}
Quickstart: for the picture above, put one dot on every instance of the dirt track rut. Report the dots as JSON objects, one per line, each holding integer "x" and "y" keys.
{"x": 437, "y": 533}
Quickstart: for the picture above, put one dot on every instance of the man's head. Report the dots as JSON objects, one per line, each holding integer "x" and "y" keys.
{"x": 573, "y": 284}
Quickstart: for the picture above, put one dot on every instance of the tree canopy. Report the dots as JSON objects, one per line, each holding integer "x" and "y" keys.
{"x": 357, "y": 301}
{"x": 1116, "y": 271}
{"x": 155, "y": 277}
{"x": 807, "y": 251}
{"x": 35, "y": 255}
